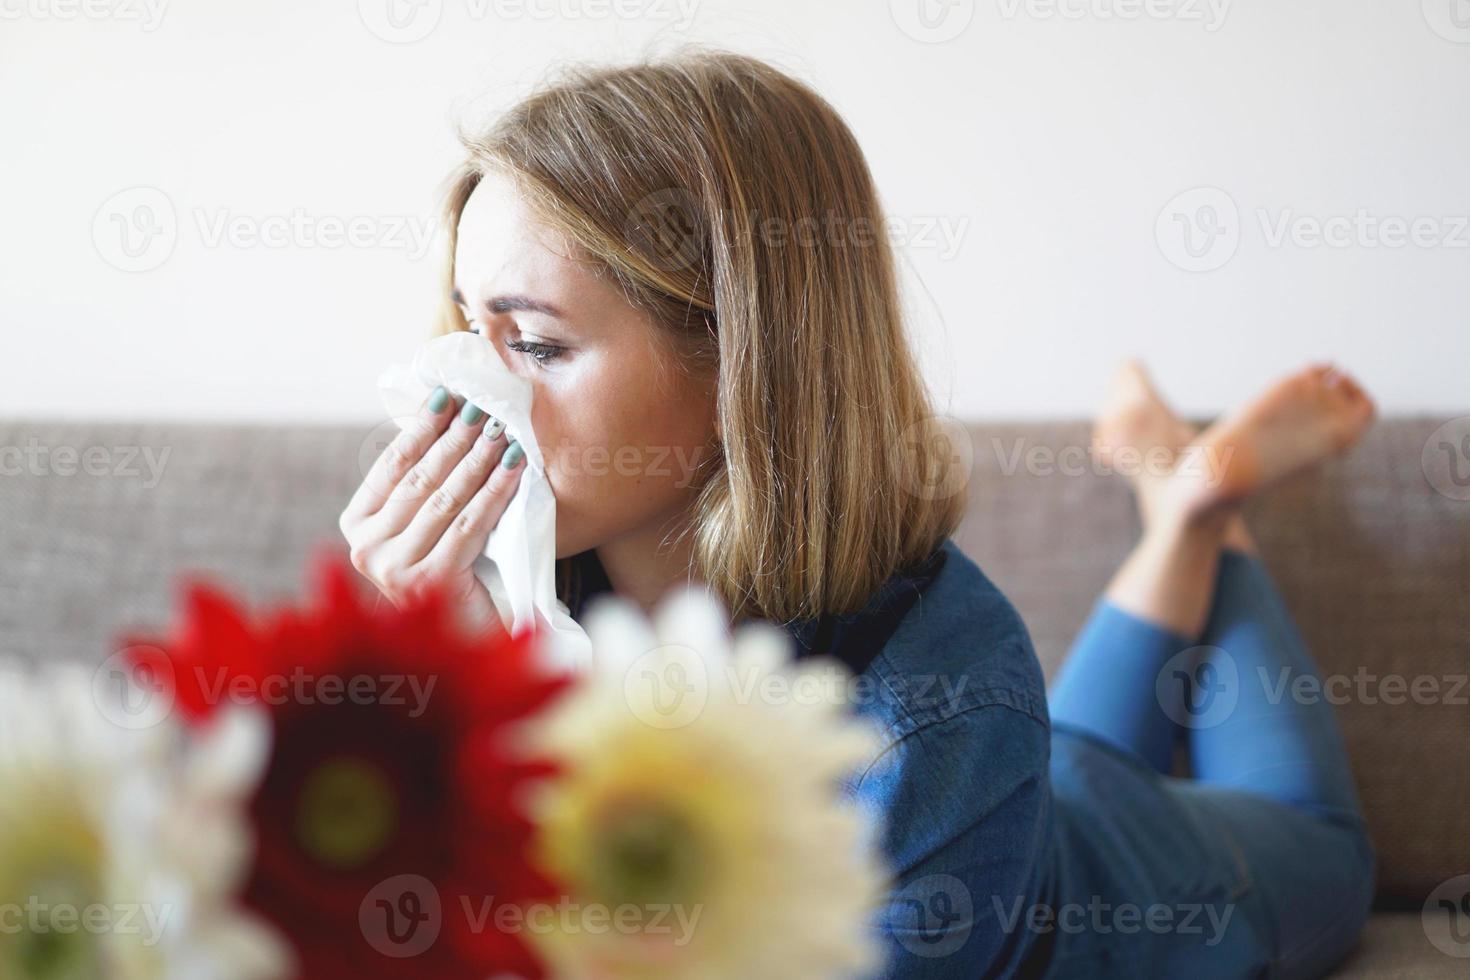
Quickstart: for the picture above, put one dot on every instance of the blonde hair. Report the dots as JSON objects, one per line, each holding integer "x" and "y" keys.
{"x": 731, "y": 202}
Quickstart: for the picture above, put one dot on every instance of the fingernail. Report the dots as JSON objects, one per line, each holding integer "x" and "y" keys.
{"x": 471, "y": 415}
{"x": 493, "y": 430}
{"x": 513, "y": 456}
{"x": 438, "y": 399}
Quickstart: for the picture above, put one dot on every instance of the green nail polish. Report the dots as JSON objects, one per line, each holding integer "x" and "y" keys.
{"x": 438, "y": 399}
{"x": 513, "y": 456}
{"x": 471, "y": 415}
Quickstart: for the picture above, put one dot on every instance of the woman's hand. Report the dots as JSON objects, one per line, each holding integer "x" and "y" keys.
{"x": 428, "y": 505}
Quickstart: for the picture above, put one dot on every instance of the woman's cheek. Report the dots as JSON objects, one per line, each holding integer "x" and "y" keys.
{"x": 571, "y": 462}
{"x": 548, "y": 419}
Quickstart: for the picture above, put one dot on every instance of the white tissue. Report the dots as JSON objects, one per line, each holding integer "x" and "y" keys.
{"x": 518, "y": 567}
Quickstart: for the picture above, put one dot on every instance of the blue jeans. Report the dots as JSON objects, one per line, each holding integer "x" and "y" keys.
{"x": 1271, "y": 782}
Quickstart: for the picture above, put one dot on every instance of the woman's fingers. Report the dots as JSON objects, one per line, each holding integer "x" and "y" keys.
{"x": 430, "y": 501}
{"x": 443, "y": 506}
{"x": 464, "y": 538}
{"x": 429, "y": 473}
{"x": 406, "y": 449}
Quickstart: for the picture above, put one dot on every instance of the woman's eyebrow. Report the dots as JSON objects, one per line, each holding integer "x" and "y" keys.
{"x": 512, "y": 303}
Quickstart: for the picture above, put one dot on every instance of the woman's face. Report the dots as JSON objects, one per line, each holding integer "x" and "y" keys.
{"x": 621, "y": 428}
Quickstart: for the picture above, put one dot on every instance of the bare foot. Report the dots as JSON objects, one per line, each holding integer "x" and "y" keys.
{"x": 1299, "y": 422}
{"x": 1138, "y": 428}
{"x": 1137, "y": 434}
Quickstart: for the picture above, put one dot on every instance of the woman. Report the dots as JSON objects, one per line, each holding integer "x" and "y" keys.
{"x": 686, "y": 260}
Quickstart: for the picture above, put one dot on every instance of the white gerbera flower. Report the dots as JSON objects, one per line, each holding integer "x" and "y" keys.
{"x": 120, "y": 848}
{"x": 700, "y": 826}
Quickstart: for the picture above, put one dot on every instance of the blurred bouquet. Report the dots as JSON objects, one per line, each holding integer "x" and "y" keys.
{"x": 427, "y": 803}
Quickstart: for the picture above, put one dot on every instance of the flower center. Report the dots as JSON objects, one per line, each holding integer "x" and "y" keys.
{"x": 48, "y": 944}
{"x": 646, "y": 854}
{"x": 347, "y": 812}
{"x": 49, "y": 869}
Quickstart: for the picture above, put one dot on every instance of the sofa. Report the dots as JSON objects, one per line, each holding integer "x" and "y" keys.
{"x": 1372, "y": 552}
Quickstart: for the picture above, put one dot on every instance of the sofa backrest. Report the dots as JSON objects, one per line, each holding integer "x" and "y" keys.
{"x": 98, "y": 521}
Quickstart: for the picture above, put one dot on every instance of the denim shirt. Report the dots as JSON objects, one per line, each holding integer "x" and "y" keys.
{"x": 959, "y": 787}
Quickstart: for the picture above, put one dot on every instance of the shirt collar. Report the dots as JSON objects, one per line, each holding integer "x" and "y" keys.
{"x": 855, "y": 638}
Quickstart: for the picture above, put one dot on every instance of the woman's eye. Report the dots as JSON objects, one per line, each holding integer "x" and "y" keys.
{"x": 540, "y": 352}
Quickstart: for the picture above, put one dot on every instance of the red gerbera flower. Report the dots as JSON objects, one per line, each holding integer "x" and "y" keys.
{"x": 389, "y": 833}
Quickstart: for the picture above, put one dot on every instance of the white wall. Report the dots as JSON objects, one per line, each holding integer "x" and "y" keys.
{"x": 1051, "y": 137}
